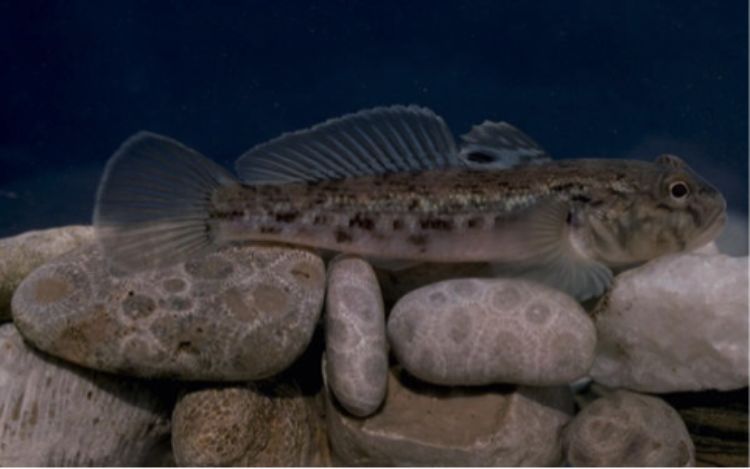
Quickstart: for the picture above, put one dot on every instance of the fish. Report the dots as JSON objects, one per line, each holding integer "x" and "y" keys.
{"x": 391, "y": 183}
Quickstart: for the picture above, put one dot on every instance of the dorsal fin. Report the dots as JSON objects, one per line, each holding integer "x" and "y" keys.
{"x": 499, "y": 145}
{"x": 374, "y": 141}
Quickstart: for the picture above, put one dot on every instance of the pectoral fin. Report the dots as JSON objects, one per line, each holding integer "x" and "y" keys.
{"x": 545, "y": 236}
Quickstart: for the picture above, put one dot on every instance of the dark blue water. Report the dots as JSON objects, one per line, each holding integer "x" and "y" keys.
{"x": 585, "y": 78}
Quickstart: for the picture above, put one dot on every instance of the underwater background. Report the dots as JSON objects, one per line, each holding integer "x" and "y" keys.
{"x": 584, "y": 78}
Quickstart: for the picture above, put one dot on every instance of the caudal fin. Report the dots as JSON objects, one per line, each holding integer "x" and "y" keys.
{"x": 153, "y": 202}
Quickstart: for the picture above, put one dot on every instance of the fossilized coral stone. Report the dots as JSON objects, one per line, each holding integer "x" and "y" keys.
{"x": 481, "y": 331}
{"x": 247, "y": 425}
{"x": 426, "y": 425}
{"x": 356, "y": 350}
{"x": 53, "y": 414}
{"x": 19, "y": 255}
{"x": 238, "y": 314}
{"x": 628, "y": 429}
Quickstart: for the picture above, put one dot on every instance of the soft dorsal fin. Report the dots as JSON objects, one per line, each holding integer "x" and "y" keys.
{"x": 374, "y": 141}
{"x": 499, "y": 145}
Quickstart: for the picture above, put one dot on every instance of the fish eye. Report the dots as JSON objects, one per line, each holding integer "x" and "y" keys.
{"x": 678, "y": 190}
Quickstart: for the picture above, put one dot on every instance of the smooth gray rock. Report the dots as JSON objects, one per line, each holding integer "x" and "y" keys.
{"x": 243, "y": 313}
{"x": 482, "y": 331}
{"x": 54, "y": 414}
{"x": 425, "y": 425}
{"x": 19, "y": 255}
{"x": 356, "y": 349}
{"x": 247, "y": 425}
{"x": 678, "y": 323}
{"x": 628, "y": 429}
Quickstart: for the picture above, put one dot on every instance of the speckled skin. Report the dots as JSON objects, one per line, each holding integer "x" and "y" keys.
{"x": 356, "y": 349}
{"x": 628, "y": 429}
{"x": 245, "y": 425}
{"x": 425, "y": 425}
{"x": 620, "y": 212}
{"x": 54, "y": 414}
{"x": 482, "y": 331}
{"x": 238, "y": 314}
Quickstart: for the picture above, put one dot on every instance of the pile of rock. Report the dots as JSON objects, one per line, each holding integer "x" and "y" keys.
{"x": 479, "y": 368}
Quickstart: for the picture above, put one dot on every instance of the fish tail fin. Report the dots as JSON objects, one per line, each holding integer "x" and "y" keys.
{"x": 153, "y": 203}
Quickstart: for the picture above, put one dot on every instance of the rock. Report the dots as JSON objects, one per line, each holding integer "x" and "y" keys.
{"x": 52, "y": 414}
{"x": 628, "y": 429}
{"x": 245, "y": 425}
{"x": 243, "y": 313}
{"x": 481, "y": 331}
{"x": 21, "y": 254}
{"x": 396, "y": 282}
{"x": 356, "y": 350}
{"x": 425, "y": 425}
{"x": 678, "y": 323}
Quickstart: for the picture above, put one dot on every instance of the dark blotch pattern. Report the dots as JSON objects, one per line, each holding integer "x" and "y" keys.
{"x": 436, "y": 224}
{"x": 343, "y": 236}
{"x": 361, "y": 221}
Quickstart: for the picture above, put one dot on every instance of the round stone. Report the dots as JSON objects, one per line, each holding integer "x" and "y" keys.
{"x": 247, "y": 425}
{"x": 243, "y": 314}
{"x": 54, "y": 414}
{"x": 21, "y": 254}
{"x": 356, "y": 350}
{"x": 628, "y": 429}
{"x": 492, "y": 331}
{"x": 425, "y": 425}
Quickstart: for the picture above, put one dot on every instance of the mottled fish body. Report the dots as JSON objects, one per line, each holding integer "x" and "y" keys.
{"x": 391, "y": 183}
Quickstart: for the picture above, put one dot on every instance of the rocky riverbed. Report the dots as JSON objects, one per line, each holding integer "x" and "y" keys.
{"x": 263, "y": 355}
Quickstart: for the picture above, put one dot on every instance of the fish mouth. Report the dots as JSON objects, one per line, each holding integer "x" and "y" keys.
{"x": 714, "y": 228}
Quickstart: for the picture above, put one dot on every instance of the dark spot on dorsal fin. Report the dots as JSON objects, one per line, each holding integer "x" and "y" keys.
{"x": 398, "y": 224}
{"x": 476, "y": 157}
{"x": 581, "y": 198}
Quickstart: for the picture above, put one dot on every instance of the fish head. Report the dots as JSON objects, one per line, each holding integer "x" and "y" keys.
{"x": 673, "y": 210}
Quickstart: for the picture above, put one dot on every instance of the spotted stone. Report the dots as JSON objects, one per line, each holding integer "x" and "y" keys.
{"x": 356, "y": 351}
{"x": 245, "y": 313}
{"x": 482, "y": 331}
{"x": 628, "y": 429}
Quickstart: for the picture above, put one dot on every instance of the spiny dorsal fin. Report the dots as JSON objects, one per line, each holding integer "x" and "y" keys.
{"x": 499, "y": 145}
{"x": 374, "y": 141}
